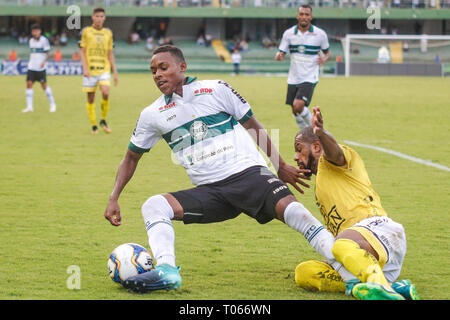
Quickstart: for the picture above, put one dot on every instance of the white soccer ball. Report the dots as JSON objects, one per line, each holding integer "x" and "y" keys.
{"x": 129, "y": 259}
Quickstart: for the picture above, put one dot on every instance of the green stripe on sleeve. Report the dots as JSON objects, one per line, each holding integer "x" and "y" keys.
{"x": 136, "y": 149}
{"x": 246, "y": 117}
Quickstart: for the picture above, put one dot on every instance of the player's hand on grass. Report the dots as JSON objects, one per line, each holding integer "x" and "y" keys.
{"x": 112, "y": 213}
{"x": 293, "y": 176}
{"x": 317, "y": 121}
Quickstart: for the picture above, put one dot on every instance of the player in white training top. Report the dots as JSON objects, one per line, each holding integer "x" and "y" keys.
{"x": 206, "y": 124}
{"x": 308, "y": 48}
{"x": 39, "y": 54}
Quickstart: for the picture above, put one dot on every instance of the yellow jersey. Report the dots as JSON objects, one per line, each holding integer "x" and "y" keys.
{"x": 97, "y": 44}
{"x": 344, "y": 194}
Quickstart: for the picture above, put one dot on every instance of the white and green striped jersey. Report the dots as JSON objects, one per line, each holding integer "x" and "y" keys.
{"x": 203, "y": 129}
{"x": 38, "y": 53}
{"x": 304, "y": 49}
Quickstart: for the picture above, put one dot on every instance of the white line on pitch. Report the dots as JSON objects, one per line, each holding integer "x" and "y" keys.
{"x": 400, "y": 155}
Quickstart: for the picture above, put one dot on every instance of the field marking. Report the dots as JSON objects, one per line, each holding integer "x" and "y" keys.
{"x": 400, "y": 155}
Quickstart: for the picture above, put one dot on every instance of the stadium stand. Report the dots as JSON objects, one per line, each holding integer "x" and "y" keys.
{"x": 269, "y": 18}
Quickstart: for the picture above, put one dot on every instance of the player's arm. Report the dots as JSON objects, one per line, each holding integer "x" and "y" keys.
{"x": 47, "y": 56}
{"x": 84, "y": 61}
{"x": 47, "y": 53}
{"x": 279, "y": 56}
{"x": 125, "y": 172}
{"x": 82, "y": 44}
{"x": 325, "y": 50}
{"x": 323, "y": 57}
{"x": 331, "y": 149}
{"x": 112, "y": 61}
{"x": 286, "y": 173}
{"x": 282, "y": 48}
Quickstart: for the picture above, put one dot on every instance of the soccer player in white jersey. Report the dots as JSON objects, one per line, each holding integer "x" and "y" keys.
{"x": 308, "y": 48}
{"x": 39, "y": 54}
{"x": 205, "y": 123}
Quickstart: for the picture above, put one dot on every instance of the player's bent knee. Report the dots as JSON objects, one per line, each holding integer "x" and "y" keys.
{"x": 157, "y": 206}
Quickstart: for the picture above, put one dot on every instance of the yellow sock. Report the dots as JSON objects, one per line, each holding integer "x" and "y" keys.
{"x": 90, "y": 107}
{"x": 359, "y": 262}
{"x": 318, "y": 275}
{"x": 105, "y": 108}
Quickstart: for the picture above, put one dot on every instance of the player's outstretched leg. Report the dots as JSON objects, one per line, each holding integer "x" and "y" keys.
{"x": 365, "y": 266}
{"x": 157, "y": 214}
{"x": 163, "y": 277}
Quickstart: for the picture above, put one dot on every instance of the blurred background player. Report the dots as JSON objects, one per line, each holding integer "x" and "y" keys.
{"x": 368, "y": 243}
{"x": 304, "y": 42}
{"x": 97, "y": 58}
{"x": 39, "y": 54}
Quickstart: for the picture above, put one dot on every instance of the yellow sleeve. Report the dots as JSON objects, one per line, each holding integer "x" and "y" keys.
{"x": 111, "y": 41}
{"x": 348, "y": 155}
{"x": 83, "y": 41}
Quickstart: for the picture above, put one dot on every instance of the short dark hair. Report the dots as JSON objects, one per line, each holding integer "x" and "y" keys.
{"x": 174, "y": 51}
{"x": 98, "y": 9}
{"x": 306, "y": 6}
{"x": 36, "y": 26}
{"x": 307, "y": 135}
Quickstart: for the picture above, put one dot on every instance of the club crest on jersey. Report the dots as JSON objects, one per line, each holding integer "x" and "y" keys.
{"x": 203, "y": 91}
{"x": 301, "y": 49}
{"x": 166, "y": 107}
{"x": 198, "y": 130}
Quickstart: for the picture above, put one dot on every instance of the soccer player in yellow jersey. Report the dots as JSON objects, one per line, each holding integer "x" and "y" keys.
{"x": 368, "y": 243}
{"x": 97, "y": 58}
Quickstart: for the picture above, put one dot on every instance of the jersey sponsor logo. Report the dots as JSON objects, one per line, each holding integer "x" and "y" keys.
{"x": 279, "y": 189}
{"x": 233, "y": 91}
{"x": 166, "y": 107}
{"x": 272, "y": 180}
{"x": 203, "y": 91}
{"x": 333, "y": 220}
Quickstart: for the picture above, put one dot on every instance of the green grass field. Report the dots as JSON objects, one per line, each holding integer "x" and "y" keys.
{"x": 56, "y": 178}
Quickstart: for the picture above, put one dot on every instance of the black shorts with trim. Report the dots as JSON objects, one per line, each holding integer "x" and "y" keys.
{"x": 40, "y": 76}
{"x": 254, "y": 191}
{"x": 303, "y": 91}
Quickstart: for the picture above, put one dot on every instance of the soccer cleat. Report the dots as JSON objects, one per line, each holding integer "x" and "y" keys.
{"x": 94, "y": 130}
{"x": 104, "y": 126}
{"x": 163, "y": 277}
{"x": 27, "y": 109}
{"x": 406, "y": 289}
{"x": 374, "y": 291}
{"x": 53, "y": 108}
{"x": 349, "y": 284}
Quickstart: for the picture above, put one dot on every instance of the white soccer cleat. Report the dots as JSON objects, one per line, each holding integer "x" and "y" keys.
{"x": 27, "y": 109}
{"x": 53, "y": 108}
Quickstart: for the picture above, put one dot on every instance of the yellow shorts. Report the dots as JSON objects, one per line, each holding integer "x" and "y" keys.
{"x": 90, "y": 83}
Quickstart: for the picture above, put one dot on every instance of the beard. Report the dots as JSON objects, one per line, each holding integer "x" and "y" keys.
{"x": 310, "y": 165}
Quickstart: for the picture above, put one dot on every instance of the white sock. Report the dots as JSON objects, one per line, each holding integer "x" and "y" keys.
{"x": 303, "y": 119}
{"x": 29, "y": 95}
{"x": 300, "y": 219}
{"x": 49, "y": 93}
{"x": 157, "y": 214}
{"x": 306, "y": 115}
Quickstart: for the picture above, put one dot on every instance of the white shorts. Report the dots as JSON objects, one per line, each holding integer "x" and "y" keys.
{"x": 388, "y": 238}
{"x": 90, "y": 83}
